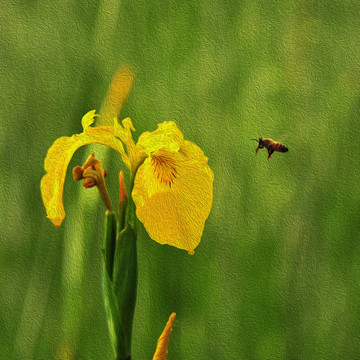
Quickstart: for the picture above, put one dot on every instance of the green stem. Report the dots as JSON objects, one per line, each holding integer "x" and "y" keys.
{"x": 125, "y": 285}
{"x": 130, "y": 217}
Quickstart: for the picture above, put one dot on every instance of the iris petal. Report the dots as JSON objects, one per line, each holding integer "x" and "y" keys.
{"x": 173, "y": 193}
{"x": 57, "y": 161}
{"x": 167, "y": 136}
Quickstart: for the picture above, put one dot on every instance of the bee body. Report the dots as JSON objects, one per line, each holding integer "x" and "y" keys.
{"x": 271, "y": 146}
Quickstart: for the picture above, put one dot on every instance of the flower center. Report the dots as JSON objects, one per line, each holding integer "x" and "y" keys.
{"x": 164, "y": 169}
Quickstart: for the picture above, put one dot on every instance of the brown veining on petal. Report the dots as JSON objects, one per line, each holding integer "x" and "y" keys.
{"x": 164, "y": 168}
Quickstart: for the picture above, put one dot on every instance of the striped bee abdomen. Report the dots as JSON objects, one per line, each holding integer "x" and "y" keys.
{"x": 282, "y": 148}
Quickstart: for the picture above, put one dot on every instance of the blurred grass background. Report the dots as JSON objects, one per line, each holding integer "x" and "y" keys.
{"x": 277, "y": 273}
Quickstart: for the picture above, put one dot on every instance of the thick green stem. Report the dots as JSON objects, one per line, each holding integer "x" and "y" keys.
{"x": 125, "y": 282}
{"x": 120, "y": 280}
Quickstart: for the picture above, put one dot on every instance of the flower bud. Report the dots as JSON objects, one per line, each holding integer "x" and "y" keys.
{"x": 93, "y": 174}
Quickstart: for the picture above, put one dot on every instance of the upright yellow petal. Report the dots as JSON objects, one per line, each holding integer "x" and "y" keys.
{"x": 167, "y": 136}
{"x": 118, "y": 92}
{"x": 162, "y": 344}
{"x": 173, "y": 194}
{"x": 57, "y": 161}
{"x": 88, "y": 119}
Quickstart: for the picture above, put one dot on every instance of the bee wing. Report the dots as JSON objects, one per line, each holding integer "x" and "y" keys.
{"x": 281, "y": 138}
{"x": 117, "y": 94}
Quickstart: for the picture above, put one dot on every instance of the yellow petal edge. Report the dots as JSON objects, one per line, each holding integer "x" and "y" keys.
{"x": 162, "y": 344}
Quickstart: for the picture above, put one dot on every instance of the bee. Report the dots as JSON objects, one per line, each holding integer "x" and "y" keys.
{"x": 270, "y": 146}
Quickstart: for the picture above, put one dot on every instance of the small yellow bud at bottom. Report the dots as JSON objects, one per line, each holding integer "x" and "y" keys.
{"x": 162, "y": 344}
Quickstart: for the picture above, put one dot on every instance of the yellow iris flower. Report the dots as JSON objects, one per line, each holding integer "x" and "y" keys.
{"x": 173, "y": 185}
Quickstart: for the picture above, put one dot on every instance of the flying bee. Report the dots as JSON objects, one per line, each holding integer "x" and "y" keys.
{"x": 270, "y": 145}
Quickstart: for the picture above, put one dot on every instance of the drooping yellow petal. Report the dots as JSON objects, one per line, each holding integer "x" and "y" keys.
{"x": 58, "y": 158}
{"x": 162, "y": 344}
{"x": 173, "y": 194}
{"x": 118, "y": 91}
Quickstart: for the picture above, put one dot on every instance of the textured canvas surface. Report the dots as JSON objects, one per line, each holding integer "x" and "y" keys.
{"x": 276, "y": 275}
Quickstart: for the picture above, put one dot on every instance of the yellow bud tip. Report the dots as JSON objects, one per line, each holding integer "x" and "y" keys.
{"x": 171, "y": 319}
{"x": 191, "y": 252}
{"x": 89, "y": 161}
{"x": 162, "y": 344}
{"x": 122, "y": 188}
{"x": 56, "y": 222}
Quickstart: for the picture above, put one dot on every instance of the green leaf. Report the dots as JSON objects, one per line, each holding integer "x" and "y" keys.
{"x": 109, "y": 241}
{"x": 119, "y": 284}
{"x": 113, "y": 317}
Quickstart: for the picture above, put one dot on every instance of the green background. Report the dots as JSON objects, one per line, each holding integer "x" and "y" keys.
{"x": 276, "y": 275}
